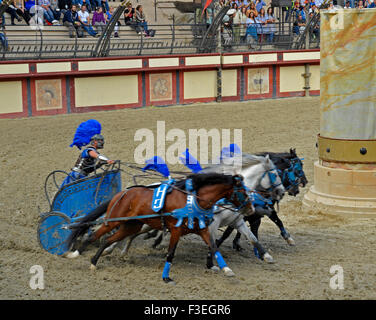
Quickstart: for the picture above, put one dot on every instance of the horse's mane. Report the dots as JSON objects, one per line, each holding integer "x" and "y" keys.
{"x": 200, "y": 180}
{"x": 280, "y": 159}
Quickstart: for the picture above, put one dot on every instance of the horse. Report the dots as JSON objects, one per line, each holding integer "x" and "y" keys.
{"x": 258, "y": 171}
{"x": 290, "y": 168}
{"x": 135, "y": 202}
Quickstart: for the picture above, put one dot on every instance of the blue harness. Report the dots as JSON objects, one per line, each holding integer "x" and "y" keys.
{"x": 192, "y": 210}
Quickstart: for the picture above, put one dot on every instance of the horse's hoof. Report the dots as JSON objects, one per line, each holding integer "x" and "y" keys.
{"x": 107, "y": 251}
{"x": 268, "y": 258}
{"x": 93, "y": 267}
{"x": 169, "y": 281}
{"x": 72, "y": 255}
{"x": 237, "y": 247}
{"x": 228, "y": 272}
{"x": 215, "y": 269}
{"x": 290, "y": 241}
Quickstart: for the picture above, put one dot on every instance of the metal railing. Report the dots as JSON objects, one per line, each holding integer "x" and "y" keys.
{"x": 53, "y": 42}
{"x": 169, "y": 39}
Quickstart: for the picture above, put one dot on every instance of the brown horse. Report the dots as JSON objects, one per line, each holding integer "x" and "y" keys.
{"x": 136, "y": 202}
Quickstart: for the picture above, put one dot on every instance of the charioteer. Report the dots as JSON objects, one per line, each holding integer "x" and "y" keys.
{"x": 90, "y": 159}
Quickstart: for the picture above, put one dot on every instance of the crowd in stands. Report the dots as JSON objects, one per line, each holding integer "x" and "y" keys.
{"x": 81, "y": 17}
{"x": 249, "y": 21}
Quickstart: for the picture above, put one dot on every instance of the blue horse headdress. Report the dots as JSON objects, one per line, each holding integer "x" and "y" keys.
{"x": 85, "y": 131}
{"x": 190, "y": 162}
{"x": 230, "y": 151}
{"x": 157, "y": 164}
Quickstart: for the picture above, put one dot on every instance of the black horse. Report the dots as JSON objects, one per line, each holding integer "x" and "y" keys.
{"x": 290, "y": 168}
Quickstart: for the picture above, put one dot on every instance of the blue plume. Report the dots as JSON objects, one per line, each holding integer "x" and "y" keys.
{"x": 229, "y": 151}
{"x": 85, "y": 131}
{"x": 190, "y": 162}
{"x": 157, "y": 163}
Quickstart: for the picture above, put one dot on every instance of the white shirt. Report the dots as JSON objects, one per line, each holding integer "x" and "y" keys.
{"x": 83, "y": 16}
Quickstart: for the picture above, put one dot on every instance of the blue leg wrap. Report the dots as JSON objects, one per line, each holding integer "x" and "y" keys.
{"x": 256, "y": 252}
{"x": 221, "y": 262}
{"x": 166, "y": 270}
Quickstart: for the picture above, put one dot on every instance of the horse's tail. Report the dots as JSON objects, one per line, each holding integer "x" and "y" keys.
{"x": 83, "y": 225}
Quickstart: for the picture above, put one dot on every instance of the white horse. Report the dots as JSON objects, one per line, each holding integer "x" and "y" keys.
{"x": 259, "y": 173}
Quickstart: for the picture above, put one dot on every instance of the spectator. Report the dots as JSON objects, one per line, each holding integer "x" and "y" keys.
{"x": 84, "y": 18}
{"x": 105, "y": 6}
{"x": 236, "y": 23}
{"x": 270, "y": 20}
{"x": 252, "y": 7}
{"x": 260, "y": 4}
{"x": 109, "y": 14}
{"x": 13, "y": 15}
{"x": 371, "y": 4}
{"x": 347, "y": 5}
{"x": 360, "y": 4}
{"x": 315, "y": 29}
{"x": 209, "y": 16}
{"x": 19, "y": 6}
{"x": 99, "y": 20}
{"x": 251, "y": 33}
{"x": 243, "y": 21}
{"x": 129, "y": 16}
{"x": 64, "y": 5}
{"x": 55, "y": 9}
{"x": 301, "y": 12}
{"x": 227, "y": 29}
{"x": 141, "y": 22}
{"x": 301, "y": 24}
{"x": 261, "y": 20}
{"x": 86, "y": 3}
{"x": 71, "y": 21}
{"x": 3, "y": 38}
{"x": 47, "y": 11}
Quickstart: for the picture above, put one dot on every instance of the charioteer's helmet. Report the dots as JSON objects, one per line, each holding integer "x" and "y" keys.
{"x": 100, "y": 140}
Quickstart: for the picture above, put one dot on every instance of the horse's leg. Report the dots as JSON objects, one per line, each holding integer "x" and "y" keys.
{"x": 174, "y": 239}
{"x": 131, "y": 238}
{"x": 255, "y": 224}
{"x": 225, "y": 235}
{"x": 151, "y": 234}
{"x": 235, "y": 242}
{"x": 213, "y": 227}
{"x": 158, "y": 241}
{"x": 205, "y": 235}
{"x": 93, "y": 237}
{"x": 285, "y": 235}
{"x": 126, "y": 229}
{"x": 243, "y": 229}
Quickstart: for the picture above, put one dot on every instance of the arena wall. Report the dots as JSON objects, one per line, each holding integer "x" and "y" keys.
{"x": 34, "y": 88}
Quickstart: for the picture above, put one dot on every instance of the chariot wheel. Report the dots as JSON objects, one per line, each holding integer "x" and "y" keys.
{"x": 52, "y": 235}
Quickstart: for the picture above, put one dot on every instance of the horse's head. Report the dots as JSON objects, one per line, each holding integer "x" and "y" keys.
{"x": 298, "y": 168}
{"x": 239, "y": 196}
{"x": 270, "y": 180}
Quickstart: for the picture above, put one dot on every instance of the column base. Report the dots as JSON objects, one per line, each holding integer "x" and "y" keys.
{"x": 342, "y": 191}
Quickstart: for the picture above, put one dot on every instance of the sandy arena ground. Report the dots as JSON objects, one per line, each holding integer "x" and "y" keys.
{"x": 31, "y": 148}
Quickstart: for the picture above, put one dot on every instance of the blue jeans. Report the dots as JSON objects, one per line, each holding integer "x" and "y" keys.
{"x": 105, "y": 3}
{"x": 48, "y": 15}
{"x": 96, "y": 3}
{"x": 89, "y": 29}
{"x": 144, "y": 25}
{"x": 271, "y": 37}
{"x": 3, "y": 41}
